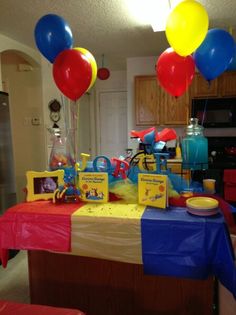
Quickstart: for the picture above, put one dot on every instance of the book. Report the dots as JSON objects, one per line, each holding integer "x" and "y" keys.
{"x": 153, "y": 190}
{"x": 93, "y": 186}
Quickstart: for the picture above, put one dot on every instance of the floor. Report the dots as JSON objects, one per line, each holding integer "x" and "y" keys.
{"x": 14, "y": 279}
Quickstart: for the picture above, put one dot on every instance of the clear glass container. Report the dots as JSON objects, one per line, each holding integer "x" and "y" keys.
{"x": 62, "y": 154}
{"x": 194, "y": 147}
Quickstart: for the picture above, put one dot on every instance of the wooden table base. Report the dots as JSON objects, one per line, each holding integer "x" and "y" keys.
{"x": 101, "y": 287}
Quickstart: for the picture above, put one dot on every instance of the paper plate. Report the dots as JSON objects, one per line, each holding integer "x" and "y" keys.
{"x": 202, "y": 203}
{"x": 203, "y": 213}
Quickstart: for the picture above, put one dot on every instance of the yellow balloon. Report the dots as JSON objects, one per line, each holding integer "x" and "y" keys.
{"x": 92, "y": 62}
{"x": 187, "y": 27}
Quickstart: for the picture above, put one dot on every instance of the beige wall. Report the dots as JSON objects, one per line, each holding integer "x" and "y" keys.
{"x": 25, "y": 98}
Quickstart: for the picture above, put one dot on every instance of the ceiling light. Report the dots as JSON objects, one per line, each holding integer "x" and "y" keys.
{"x": 154, "y": 12}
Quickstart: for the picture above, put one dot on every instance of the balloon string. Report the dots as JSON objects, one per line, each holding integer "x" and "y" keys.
{"x": 74, "y": 127}
{"x": 103, "y": 61}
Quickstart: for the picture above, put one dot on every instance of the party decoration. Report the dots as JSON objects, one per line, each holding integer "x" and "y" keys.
{"x": 103, "y": 73}
{"x": 92, "y": 62}
{"x": 72, "y": 73}
{"x": 213, "y": 57}
{"x": 186, "y": 27}
{"x": 175, "y": 73}
{"x": 52, "y": 36}
{"x": 232, "y": 64}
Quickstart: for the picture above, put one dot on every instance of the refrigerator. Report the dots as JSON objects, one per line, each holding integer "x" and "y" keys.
{"x": 7, "y": 174}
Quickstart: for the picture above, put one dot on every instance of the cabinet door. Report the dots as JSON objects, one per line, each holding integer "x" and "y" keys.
{"x": 177, "y": 169}
{"x": 201, "y": 88}
{"x": 228, "y": 84}
{"x": 175, "y": 111}
{"x": 147, "y": 108}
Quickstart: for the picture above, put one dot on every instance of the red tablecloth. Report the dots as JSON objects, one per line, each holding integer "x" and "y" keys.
{"x": 36, "y": 225}
{"x": 12, "y": 308}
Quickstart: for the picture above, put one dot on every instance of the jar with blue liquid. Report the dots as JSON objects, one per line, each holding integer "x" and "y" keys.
{"x": 194, "y": 147}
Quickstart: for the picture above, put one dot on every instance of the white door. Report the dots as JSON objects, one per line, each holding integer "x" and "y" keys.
{"x": 113, "y": 123}
{"x": 84, "y": 135}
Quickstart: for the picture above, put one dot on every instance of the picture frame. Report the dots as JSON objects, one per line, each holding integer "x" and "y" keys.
{"x": 41, "y": 185}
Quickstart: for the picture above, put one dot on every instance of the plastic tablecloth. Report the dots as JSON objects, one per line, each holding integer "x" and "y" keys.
{"x": 13, "y": 308}
{"x": 167, "y": 242}
{"x": 176, "y": 243}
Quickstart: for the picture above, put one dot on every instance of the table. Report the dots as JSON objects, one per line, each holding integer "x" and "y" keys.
{"x": 127, "y": 239}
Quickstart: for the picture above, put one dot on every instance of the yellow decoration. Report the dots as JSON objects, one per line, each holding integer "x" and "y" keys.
{"x": 147, "y": 162}
{"x": 126, "y": 190}
{"x": 92, "y": 62}
{"x": 84, "y": 159}
{"x": 187, "y": 27}
{"x": 42, "y": 185}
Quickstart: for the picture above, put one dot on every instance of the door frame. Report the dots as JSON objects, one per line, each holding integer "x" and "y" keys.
{"x": 97, "y": 116}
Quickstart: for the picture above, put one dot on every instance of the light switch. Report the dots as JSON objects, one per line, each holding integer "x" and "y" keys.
{"x": 35, "y": 121}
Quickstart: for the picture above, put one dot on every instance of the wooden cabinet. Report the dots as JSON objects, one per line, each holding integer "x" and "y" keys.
{"x": 228, "y": 84}
{"x": 223, "y": 86}
{"x": 176, "y": 167}
{"x": 147, "y": 109}
{"x": 154, "y": 106}
{"x": 200, "y": 87}
{"x": 102, "y": 287}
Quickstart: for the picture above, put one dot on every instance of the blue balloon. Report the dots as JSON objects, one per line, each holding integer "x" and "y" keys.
{"x": 213, "y": 56}
{"x": 52, "y": 36}
{"x": 232, "y": 64}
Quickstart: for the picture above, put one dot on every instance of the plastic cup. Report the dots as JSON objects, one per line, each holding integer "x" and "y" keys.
{"x": 209, "y": 185}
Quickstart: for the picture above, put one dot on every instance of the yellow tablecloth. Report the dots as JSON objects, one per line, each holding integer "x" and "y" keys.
{"x": 109, "y": 231}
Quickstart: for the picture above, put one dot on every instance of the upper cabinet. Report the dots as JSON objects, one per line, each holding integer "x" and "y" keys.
{"x": 200, "y": 87}
{"x": 154, "y": 106}
{"x": 223, "y": 86}
{"x": 147, "y": 108}
{"x": 228, "y": 84}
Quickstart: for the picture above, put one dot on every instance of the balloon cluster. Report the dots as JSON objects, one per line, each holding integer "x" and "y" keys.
{"x": 192, "y": 45}
{"x": 74, "y": 69}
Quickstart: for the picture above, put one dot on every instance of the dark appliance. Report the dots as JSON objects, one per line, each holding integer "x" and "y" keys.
{"x": 215, "y": 112}
{"x": 7, "y": 177}
{"x": 221, "y": 156}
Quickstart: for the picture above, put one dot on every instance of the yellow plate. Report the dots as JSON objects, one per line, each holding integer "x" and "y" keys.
{"x": 204, "y": 203}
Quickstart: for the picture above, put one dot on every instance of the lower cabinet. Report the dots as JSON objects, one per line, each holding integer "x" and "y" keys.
{"x": 102, "y": 287}
{"x": 176, "y": 167}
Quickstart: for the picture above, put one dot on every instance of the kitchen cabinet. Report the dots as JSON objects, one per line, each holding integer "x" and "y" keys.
{"x": 176, "y": 167}
{"x": 222, "y": 86}
{"x": 147, "y": 95}
{"x": 200, "y": 87}
{"x": 228, "y": 84}
{"x": 154, "y": 106}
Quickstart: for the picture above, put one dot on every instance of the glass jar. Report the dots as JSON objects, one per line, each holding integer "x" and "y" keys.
{"x": 194, "y": 147}
{"x": 61, "y": 154}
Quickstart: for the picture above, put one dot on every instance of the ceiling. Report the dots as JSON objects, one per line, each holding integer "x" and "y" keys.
{"x": 101, "y": 26}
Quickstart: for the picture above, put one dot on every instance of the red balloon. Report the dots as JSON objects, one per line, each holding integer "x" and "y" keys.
{"x": 175, "y": 73}
{"x": 103, "y": 73}
{"x": 72, "y": 73}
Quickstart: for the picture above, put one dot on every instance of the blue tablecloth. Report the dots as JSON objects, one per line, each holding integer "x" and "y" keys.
{"x": 176, "y": 243}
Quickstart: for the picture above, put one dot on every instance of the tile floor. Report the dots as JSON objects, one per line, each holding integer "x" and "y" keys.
{"x": 14, "y": 279}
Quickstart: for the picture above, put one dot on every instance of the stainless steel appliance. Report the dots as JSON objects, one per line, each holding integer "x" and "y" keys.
{"x": 7, "y": 177}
